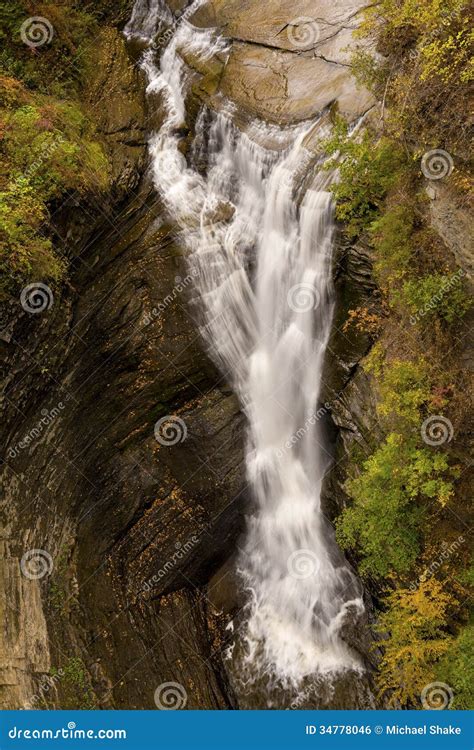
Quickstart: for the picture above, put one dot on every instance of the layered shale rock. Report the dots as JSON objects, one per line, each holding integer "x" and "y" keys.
{"x": 134, "y": 528}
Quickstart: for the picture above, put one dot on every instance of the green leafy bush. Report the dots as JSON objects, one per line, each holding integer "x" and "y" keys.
{"x": 24, "y": 252}
{"x": 435, "y": 295}
{"x": 47, "y": 148}
{"x": 438, "y": 32}
{"x": 456, "y": 669}
{"x": 391, "y": 237}
{"x": 56, "y": 67}
{"x": 366, "y": 173}
{"x": 385, "y": 519}
{"x": 424, "y": 71}
{"x": 404, "y": 388}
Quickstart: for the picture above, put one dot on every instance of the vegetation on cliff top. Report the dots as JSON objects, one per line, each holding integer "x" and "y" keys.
{"x": 426, "y": 71}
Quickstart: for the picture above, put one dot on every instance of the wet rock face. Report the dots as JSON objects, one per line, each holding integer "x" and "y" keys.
{"x": 450, "y": 218}
{"x": 138, "y": 528}
{"x": 347, "y": 390}
{"x": 288, "y": 61}
{"x": 132, "y": 521}
{"x": 125, "y": 514}
{"x": 116, "y": 95}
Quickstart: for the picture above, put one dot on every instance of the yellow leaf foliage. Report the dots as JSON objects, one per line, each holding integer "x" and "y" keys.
{"x": 416, "y": 622}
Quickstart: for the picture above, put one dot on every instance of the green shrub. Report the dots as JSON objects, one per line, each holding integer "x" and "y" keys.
{"x": 56, "y": 66}
{"x": 391, "y": 238}
{"x": 24, "y": 252}
{"x": 48, "y": 148}
{"x": 385, "y": 519}
{"x": 75, "y": 685}
{"x": 424, "y": 71}
{"x": 368, "y": 71}
{"x": 49, "y": 143}
{"x": 457, "y": 667}
{"x": 438, "y": 32}
{"x": 366, "y": 173}
{"x": 434, "y": 295}
{"x": 404, "y": 388}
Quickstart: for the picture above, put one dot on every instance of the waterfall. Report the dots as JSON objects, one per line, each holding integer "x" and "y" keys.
{"x": 257, "y": 222}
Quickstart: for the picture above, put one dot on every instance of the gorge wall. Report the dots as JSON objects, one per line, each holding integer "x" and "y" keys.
{"x": 142, "y": 536}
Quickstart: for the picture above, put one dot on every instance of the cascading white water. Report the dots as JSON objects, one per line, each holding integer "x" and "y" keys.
{"x": 262, "y": 266}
